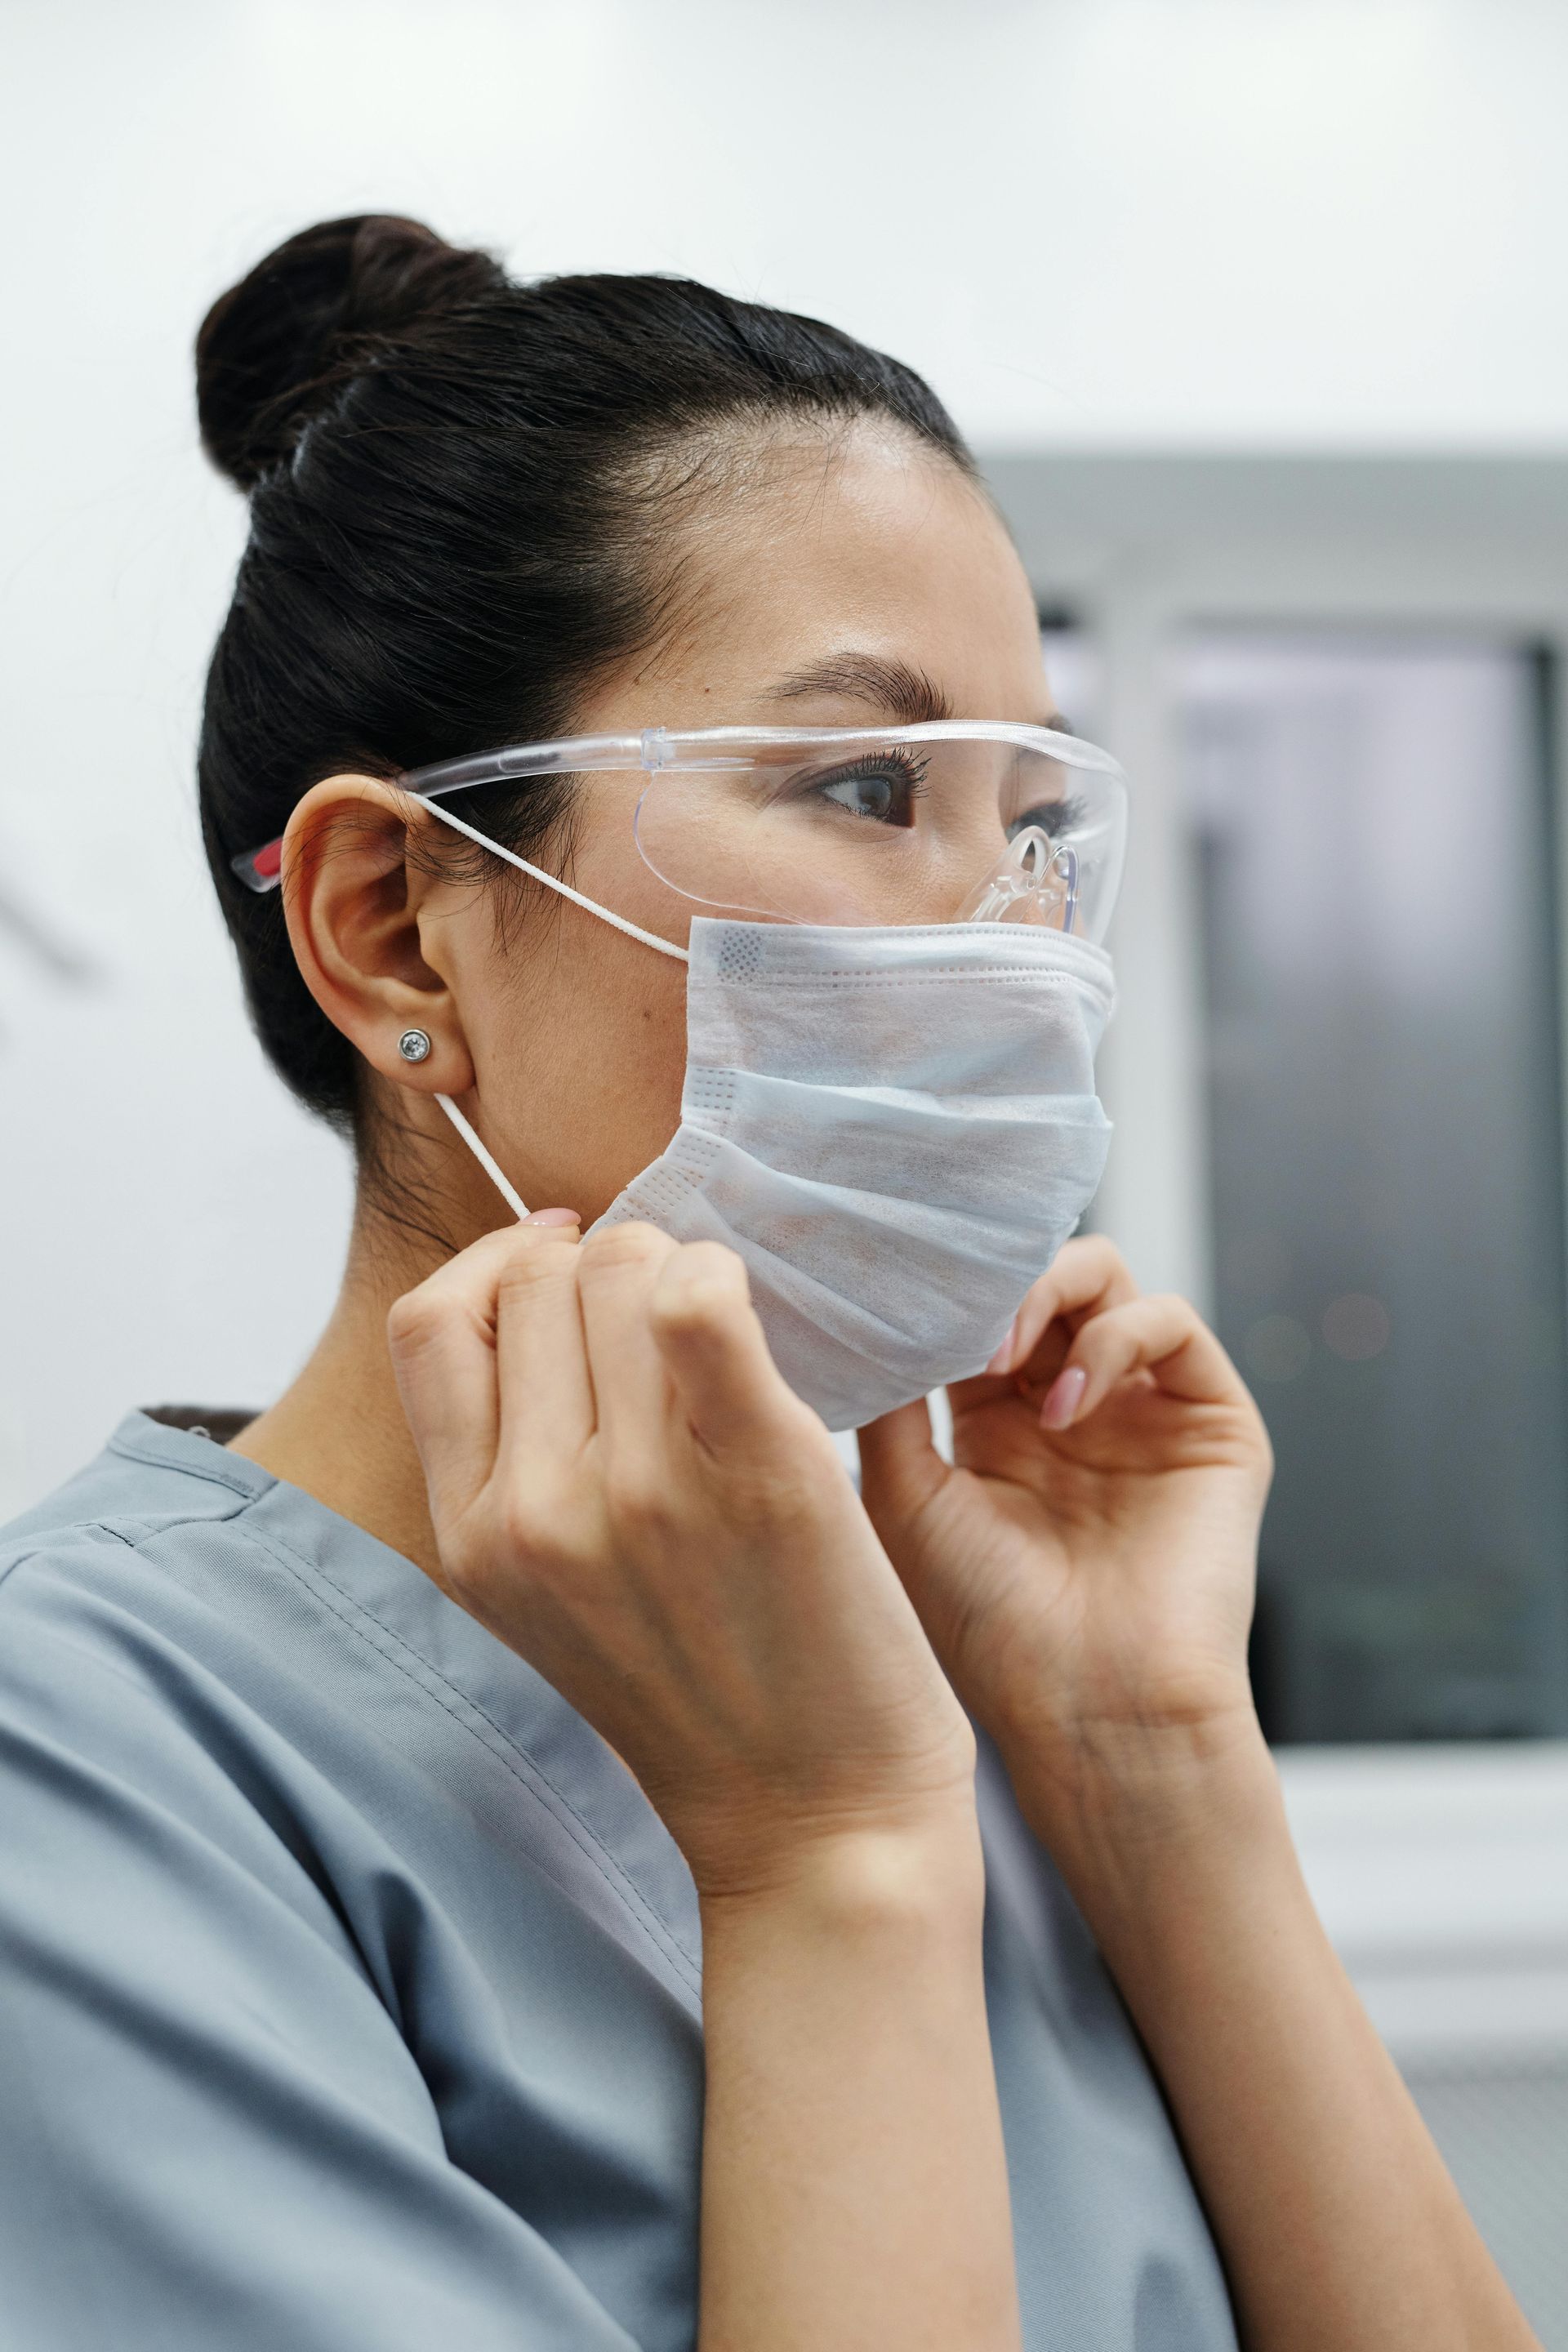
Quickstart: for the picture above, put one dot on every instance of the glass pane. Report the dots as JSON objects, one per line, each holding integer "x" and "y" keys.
{"x": 1072, "y": 667}
{"x": 1372, "y": 823}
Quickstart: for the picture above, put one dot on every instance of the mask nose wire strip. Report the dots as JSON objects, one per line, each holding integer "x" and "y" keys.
{"x": 508, "y": 1192}
{"x": 553, "y": 882}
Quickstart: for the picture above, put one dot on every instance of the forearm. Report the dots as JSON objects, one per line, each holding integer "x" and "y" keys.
{"x": 1339, "y": 2226}
{"x": 854, "y": 2187}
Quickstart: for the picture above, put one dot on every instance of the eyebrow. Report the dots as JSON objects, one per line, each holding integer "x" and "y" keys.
{"x": 906, "y": 695}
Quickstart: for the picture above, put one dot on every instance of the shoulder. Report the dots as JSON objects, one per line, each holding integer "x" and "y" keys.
{"x": 159, "y": 1798}
{"x": 149, "y": 1476}
{"x": 103, "y": 1564}
{"x": 130, "y": 1699}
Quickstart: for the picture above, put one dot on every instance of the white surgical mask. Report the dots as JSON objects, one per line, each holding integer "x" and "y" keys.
{"x": 895, "y": 1129}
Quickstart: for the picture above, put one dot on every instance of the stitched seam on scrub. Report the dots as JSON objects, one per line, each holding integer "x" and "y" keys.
{"x": 591, "y": 1846}
{"x": 45, "y": 1543}
{"x": 214, "y": 1477}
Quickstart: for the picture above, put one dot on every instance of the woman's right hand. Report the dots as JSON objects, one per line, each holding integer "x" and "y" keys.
{"x": 624, "y": 1490}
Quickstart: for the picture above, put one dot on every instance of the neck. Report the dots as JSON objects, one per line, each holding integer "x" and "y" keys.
{"x": 338, "y": 1431}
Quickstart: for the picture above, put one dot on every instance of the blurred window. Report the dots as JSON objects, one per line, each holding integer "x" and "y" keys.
{"x": 1072, "y": 666}
{"x": 1372, "y": 819}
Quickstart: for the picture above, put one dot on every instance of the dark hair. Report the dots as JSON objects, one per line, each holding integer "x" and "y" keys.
{"x": 456, "y": 514}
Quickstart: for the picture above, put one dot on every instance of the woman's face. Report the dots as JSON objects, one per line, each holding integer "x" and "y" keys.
{"x": 856, "y": 581}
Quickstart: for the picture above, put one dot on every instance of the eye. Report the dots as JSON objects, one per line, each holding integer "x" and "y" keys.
{"x": 883, "y": 786}
{"x": 1053, "y": 817}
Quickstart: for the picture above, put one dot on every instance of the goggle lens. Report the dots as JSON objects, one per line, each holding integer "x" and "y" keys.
{"x": 890, "y": 831}
{"x": 940, "y": 823}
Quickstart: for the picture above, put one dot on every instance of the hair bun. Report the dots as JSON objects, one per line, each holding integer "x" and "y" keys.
{"x": 273, "y": 351}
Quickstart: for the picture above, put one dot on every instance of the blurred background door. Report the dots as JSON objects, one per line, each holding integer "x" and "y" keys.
{"x": 1372, "y": 821}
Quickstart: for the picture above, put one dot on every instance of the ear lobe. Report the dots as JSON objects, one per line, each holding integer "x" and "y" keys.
{"x": 352, "y": 902}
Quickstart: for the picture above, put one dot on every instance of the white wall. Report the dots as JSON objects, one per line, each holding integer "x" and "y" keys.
{"x": 1218, "y": 222}
{"x": 1233, "y": 222}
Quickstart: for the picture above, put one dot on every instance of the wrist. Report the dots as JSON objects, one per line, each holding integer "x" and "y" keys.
{"x": 1123, "y": 1806}
{"x": 862, "y": 1879}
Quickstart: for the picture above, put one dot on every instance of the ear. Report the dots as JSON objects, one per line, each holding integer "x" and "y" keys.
{"x": 352, "y": 902}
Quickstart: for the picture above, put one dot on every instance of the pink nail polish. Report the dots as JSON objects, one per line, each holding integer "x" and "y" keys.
{"x": 552, "y": 1217}
{"x": 1064, "y": 1397}
{"x": 1004, "y": 1356}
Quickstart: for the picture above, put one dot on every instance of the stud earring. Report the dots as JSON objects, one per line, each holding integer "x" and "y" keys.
{"x": 413, "y": 1046}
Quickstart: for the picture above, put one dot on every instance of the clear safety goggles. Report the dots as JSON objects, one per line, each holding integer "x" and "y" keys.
{"x": 954, "y": 821}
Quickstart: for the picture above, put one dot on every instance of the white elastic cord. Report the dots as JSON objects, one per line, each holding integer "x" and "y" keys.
{"x": 509, "y": 1193}
{"x": 553, "y": 882}
{"x": 487, "y": 1161}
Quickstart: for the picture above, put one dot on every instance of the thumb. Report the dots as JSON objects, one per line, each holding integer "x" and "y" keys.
{"x": 900, "y": 1468}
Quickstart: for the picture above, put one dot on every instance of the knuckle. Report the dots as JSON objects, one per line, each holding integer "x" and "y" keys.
{"x": 705, "y": 1290}
{"x": 414, "y": 1320}
{"x": 632, "y": 1244}
{"x": 714, "y": 1259}
{"x": 699, "y": 1307}
{"x": 467, "y": 1546}
{"x": 541, "y": 1261}
{"x": 463, "y": 1572}
{"x": 529, "y": 1525}
{"x": 1101, "y": 1344}
{"x": 639, "y": 1500}
{"x": 781, "y": 1490}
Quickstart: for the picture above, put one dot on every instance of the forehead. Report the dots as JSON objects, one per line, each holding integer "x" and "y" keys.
{"x": 855, "y": 542}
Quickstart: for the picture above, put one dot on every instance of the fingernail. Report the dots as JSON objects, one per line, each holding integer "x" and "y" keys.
{"x": 1064, "y": 1397}
{"x": 552, "y": 1217}
{"x": 1004, "y": 1356}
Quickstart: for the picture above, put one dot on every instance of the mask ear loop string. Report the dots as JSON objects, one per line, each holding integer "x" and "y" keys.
{"x": 553, "y": 882}
{"x": 485, "y": 1159}
{"x": 507, "y": 1190}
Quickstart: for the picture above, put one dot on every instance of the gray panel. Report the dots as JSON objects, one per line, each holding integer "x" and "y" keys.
{"x": 1372, "y": 819}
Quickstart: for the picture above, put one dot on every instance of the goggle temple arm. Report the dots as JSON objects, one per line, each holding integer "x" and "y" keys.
{"x": 260, "y": 869}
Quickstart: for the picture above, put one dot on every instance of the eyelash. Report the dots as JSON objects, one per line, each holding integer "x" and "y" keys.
{"x": 907, "y": 770}
{"x": 1053, "y": 817}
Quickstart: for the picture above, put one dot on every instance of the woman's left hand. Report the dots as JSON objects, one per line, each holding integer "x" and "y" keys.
{"x": 1084, "y": 1567}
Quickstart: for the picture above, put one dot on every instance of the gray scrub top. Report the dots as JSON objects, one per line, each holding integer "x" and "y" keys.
{"x": 350, "y": 1990}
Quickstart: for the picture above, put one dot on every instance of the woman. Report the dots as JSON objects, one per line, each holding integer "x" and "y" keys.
{"x": 376, "y": 1776}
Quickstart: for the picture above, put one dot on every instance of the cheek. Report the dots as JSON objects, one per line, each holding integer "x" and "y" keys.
{"x": 580, "y": 1070}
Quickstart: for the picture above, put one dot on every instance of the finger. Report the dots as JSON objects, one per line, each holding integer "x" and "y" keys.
{"x": 616, "y": 1280}
{"x": 1162, "y": 1336}
{"x": 442, "y": 1340}
{"x": 712, "y": 1347}
{"x": 1086, "y": 1276}
{"x": 899, "y": 1465}
{"x": 547, "y": 1413}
